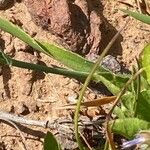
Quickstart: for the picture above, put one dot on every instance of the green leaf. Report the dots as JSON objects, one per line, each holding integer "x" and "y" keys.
{"x": 145, "y": 61}
{"x": 138, "y": 16}
{"x": 4, "y": 59}
{"x": 143, "y": 105}
{"x": 119, "y": 112}
{"x": 18, "y": 32}
{"x": 68, "y": 58}
{"x": 112, "y": 81}
{"x": 73, "y": 61}
{"x": 129, "y": 127}
{"x": 50, "y": 143}
{"x": 127, "y": 105}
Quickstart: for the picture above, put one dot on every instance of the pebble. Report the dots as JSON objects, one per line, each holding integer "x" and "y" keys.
{"x": 110, "y": 63}
{"x": 72, "y": 97}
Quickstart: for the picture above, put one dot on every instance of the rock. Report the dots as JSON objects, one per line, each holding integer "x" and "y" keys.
{"x": 76, "y": 22}
{"x": 110, "y": 63}
{"x": 19, "y": 45}
{"x": 6, "y": 3}
{"x": 8, "y": 44}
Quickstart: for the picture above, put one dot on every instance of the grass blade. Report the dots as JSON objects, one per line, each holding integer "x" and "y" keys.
{"x": 4, "y": 59}
{"x": 19, "y": 33}
{"x": 138, "y": 16}
{"x": 69, "y": 59}
{"x": 87, "y": 81}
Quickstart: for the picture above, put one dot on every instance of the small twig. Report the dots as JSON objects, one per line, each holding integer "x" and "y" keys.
{"x": 108, "y": 117}
{"x": 88, "y": 145}
{"x": 13, "y": 124}
{"x": 22, "y": 120}
{"x": 45, "y": 124}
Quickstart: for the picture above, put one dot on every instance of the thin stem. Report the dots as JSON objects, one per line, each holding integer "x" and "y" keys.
{"x": 108, "y": 117}
{"x": 55, "y": 70}
{"x": 22, "y": 120}
{"x": 76, "y": 117}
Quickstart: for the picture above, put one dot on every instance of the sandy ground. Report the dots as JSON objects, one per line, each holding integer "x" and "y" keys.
{"x": 37, "y": 95}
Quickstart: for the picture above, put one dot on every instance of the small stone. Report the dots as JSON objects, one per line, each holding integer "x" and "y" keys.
{"x": 109, "y": 62}
{"x": 92, "y": 96}
{"x": 2, "y": 145}
{"x": 73, "y": 85}
{"x": 72, "y": 97}
{"x": 11, "y": 109}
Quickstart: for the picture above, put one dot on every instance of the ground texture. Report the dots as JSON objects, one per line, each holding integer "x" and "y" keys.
{"x": 37, "y": 95}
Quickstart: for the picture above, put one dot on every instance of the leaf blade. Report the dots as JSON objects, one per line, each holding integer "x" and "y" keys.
{"x": 19, "y": 33}
{"x": 129, "y": 127}
{"x": 50, "y": 143}
{"x": 143, "y": 105}
{"x": 138, "y": 16}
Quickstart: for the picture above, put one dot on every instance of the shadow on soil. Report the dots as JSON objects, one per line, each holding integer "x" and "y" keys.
{"x": 107, "y": 31}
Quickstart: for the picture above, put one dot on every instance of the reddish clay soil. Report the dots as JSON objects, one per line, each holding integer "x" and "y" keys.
{"x": 37, "y": 95}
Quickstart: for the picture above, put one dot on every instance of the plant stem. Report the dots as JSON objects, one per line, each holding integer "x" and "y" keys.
{"x": 108, "y": 117}
{"x": 76, "y": 117}
{"x": 55, "y": 70}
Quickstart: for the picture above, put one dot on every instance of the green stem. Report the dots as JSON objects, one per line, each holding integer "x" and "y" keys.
{"x": 76, "y": 117}
{"x": 41, "y": 68}
{"x": 108, "y": 117}
{"x": 138, "y": 88}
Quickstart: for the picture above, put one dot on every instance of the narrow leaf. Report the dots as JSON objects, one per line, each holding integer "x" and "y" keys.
{"x": 138, "y": 16}
{"x": 99, "y": 102}
{"x": 18, "y": 32}
{"x": 4, "y": 59}
{"x": 68, "y": 58}
{"x": 93, "y": 103}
